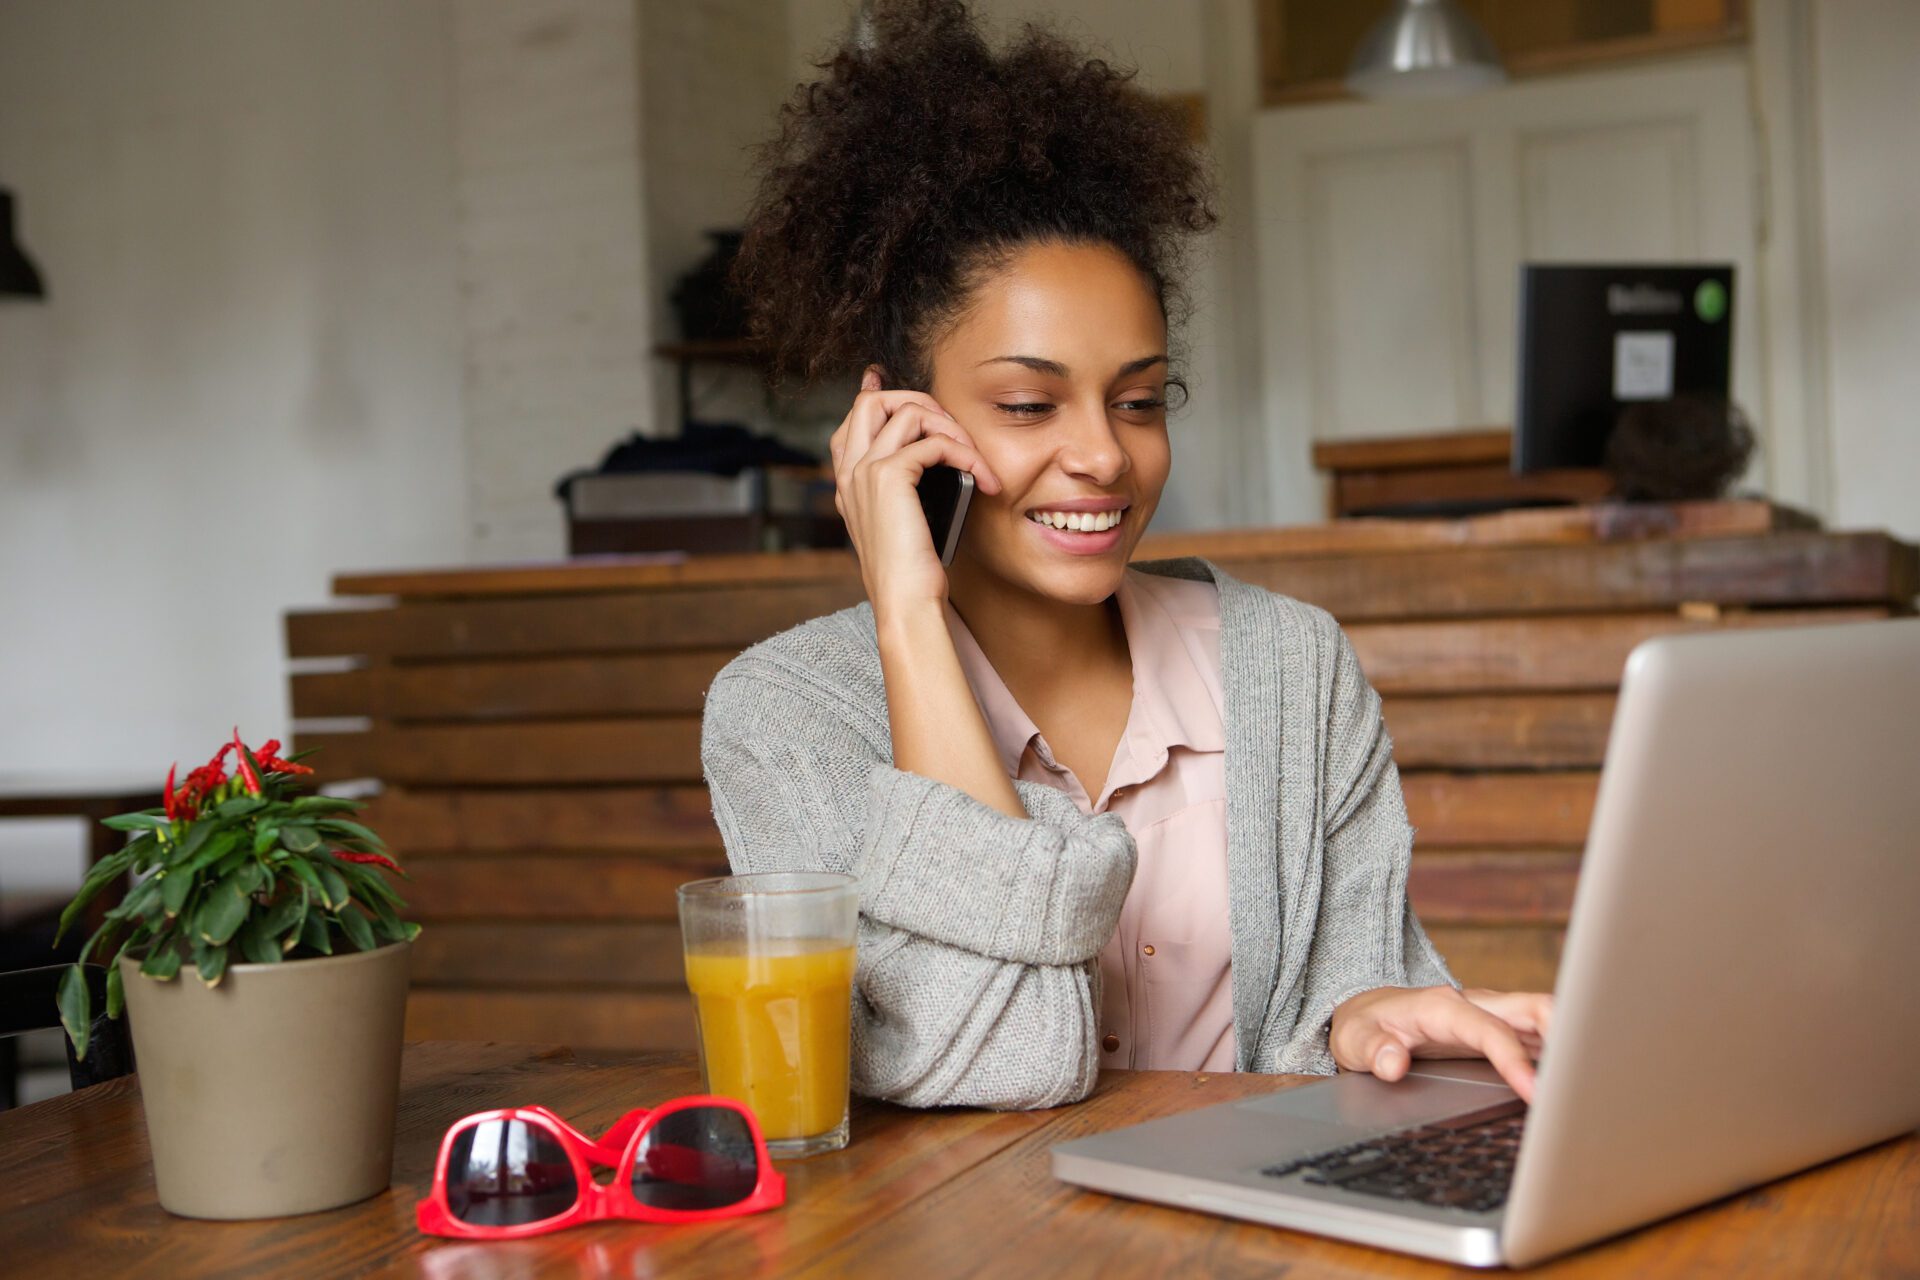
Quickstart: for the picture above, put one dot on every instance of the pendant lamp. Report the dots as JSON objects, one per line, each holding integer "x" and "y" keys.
{"x": 1424, "y": 49}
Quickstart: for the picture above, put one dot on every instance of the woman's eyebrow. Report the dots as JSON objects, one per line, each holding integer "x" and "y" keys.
{"x": 1055, "y": 369}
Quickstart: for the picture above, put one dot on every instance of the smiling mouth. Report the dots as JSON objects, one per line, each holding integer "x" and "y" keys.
{"x": 1078, "y": 521}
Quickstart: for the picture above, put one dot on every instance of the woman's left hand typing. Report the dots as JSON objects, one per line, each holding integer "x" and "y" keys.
{"x": 1383, "y": 1030}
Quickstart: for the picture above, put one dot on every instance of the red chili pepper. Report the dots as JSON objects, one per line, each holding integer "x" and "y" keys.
{"x": 246, "y": 770}
{"x": 171, "y": 804}
{"x": 380, "y": 859}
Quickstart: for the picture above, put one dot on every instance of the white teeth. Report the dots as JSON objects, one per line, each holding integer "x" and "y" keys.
{"x": 1077, "y": 521}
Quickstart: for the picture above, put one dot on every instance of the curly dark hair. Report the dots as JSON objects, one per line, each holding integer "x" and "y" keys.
{"x": 917, "y": 166}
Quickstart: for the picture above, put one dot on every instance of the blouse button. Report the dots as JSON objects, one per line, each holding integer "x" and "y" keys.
{"x": 1148, "y": 949}
{"x": 1111, "y": 1043}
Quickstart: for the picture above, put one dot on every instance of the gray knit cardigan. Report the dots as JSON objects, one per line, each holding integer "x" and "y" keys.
{"x": 978, "y": 973}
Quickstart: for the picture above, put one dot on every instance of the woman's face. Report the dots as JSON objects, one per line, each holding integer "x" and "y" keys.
{"x": 1058, "y": 370}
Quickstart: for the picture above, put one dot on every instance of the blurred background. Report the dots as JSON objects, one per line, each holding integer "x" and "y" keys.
{"x": 334, "y": 285}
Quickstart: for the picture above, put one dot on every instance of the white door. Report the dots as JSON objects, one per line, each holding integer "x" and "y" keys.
{"x": 1391, "y": 236}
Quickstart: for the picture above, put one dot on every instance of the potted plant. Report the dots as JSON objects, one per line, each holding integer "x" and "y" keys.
{"x": 263, "y": 964}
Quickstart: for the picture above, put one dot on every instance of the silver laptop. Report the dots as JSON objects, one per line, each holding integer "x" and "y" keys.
{"x": 1736, "y": 1001}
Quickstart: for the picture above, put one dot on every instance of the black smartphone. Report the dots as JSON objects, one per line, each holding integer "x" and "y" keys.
{"x": 945, "y": 493}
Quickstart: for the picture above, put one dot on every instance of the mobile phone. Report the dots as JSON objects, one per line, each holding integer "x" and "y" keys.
{"x": 945, "y": 493}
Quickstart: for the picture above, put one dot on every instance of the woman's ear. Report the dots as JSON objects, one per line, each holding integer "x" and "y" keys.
{"x": 874, "y": 379}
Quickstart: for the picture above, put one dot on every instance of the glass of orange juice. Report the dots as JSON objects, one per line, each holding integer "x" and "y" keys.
{"x": 770, "y": 963}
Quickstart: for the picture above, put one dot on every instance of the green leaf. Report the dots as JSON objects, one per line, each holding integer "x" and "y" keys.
{"x": 221, "y": 913}
{"x": 256, "y": 944}
{"x": 175, "y": 885}
{"x": 142, "y": 848}
{"x": 304, "y": 872}
{"x": 336, "y": 893}
{"x": 137, "y": 900}
{"x": 215, "y": 850}
{"x": 355, "y": 926}
{"x": 231, "y": 861}
{"x": 393, "y": 929}
{"x": 146, "y": 820}
{"x": 104, "y": 873}
{"x": 299, "y": 837}
{"x": 162, "y": 962}
{"x": 353, "y": 830}
{"x": 250, "y": 876}
{"x": 313, "y": 933}
{"x": 325, "y": 804}
{"x": 210, "y": 962}
{"x": 285, "y": 914}
{"x": 264, "y": 838}
{"x": 76, "y": 1008}
{"x": 240, "y": 806}
{"x": 368, "y": 885}
{"x": 87, "y": 949}
{"x": 191, "y": 843}
{"x": 116, "y": 992}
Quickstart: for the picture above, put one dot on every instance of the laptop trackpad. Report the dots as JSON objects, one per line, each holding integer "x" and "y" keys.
{"x": 1358, "y": 1100}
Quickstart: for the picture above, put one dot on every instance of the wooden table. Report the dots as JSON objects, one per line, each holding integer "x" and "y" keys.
{"x": 918, "y": 1194}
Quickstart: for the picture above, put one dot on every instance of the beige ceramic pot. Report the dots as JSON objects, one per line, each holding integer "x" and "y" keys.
{"x": 274, "y": 1092}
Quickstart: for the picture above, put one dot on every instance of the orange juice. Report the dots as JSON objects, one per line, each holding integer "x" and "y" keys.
{"x": 774, "y": 1031}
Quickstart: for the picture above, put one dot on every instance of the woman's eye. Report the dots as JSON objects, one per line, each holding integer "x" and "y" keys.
{"x": 1034, "y": 409}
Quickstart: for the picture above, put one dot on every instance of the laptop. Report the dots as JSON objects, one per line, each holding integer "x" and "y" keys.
{"x": 1736, "y": 998}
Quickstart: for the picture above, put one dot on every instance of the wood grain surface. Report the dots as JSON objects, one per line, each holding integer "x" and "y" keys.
{"x": 1588, "y": 522}
{"x": 927, "y": 1195}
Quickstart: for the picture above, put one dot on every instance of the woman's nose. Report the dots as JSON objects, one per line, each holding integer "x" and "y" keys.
{"x": 1091, "y": 448}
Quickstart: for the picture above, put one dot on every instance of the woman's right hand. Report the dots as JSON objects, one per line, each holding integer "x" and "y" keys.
{"x": 880, "y": 451}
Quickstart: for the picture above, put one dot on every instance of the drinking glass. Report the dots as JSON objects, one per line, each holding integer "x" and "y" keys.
{"x": 770, "y": 963}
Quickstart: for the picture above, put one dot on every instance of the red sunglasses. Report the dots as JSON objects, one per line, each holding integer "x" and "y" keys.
{"x": 523, "y": 1171}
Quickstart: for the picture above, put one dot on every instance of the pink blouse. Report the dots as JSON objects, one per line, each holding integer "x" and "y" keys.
{"x": 1166, "y": 979}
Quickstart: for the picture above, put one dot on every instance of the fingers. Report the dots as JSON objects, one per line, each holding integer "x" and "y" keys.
{"x": 913, "y": 423}
{"x": 1363, "y": 1039}
{"x": 872, "y": 409}
{"x": 1392, "y": 1059}
{"x": 1497, "y": 1042}
{"x": 1382, "y": 1031}
{"x": 1529, "y": 1013}
{"x": 914, "y": 458}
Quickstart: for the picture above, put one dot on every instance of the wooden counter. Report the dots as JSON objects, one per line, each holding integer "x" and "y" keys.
{"x": 536, "y": 728}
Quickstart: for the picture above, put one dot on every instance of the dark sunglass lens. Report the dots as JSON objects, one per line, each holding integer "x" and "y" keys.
{"x": 507, "y": 1173}
{"x": 700, "y": 1158}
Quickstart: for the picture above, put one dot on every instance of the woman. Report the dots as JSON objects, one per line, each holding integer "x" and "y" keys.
{"x": 1100, "y": 816}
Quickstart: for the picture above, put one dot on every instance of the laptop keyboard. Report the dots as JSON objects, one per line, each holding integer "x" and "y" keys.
{"x": 1463, "y": 1162}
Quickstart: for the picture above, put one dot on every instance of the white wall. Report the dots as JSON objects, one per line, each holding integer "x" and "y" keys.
{"x": 247, "y": 375}
{"x": 547, "y": 137}
{"x": 1869, "y": 161}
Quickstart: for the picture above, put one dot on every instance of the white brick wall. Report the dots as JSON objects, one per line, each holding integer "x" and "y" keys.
{"x": 553, "y": 268}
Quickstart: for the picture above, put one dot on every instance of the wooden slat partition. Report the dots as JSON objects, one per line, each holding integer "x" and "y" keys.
{"x": 605, "y": 685}
{"x": 535, "y": 730}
